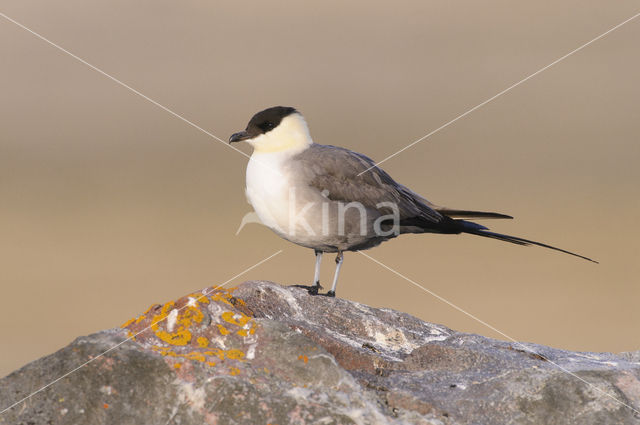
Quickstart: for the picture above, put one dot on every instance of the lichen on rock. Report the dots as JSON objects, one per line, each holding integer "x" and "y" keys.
{"x": 261, "y": 353}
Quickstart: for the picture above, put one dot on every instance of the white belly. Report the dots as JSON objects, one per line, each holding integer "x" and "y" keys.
{"x": 268, "y": 190}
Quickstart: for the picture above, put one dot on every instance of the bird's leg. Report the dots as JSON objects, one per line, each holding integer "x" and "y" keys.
{"x": 339, "y": 258}
{"x": 316, "y": 276}
{"x": 316, "y": 287}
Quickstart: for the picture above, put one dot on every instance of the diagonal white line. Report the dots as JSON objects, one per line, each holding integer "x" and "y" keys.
{"x": 480, "y": 105}
{"x": 524, "y": 347}
{"x": 164, "y": 108}
{"x": 133, "y": 336}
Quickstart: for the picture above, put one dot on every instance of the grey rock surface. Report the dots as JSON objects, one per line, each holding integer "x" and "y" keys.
{"x": 265, "y": 354}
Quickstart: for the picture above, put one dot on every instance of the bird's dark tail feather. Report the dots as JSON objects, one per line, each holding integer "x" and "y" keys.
{"x": 475, "y": 229}
{"x": 470, "y": 214}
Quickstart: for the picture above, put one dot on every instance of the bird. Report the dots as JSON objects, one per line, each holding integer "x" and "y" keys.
{"x": 333, "y": 200}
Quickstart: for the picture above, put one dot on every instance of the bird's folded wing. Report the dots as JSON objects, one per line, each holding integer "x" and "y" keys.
{"x": 335, "y": 170}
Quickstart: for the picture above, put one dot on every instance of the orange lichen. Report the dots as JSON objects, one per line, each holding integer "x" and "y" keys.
{"x": 162, "y": 316}
{"x": 190, "y": 314}
{"x": 128, "y": 322}
{"x": 223, "y": 296}
{"x": 181, "y": 337}
{"x": 239, "y": 319}
{"x": 164, "y": 351}
{"x": 218, "y": 353}
{"x": 176, "y": 323}
{"x": 194, "y": 355}
{"x": 106, "y": 406}
{"x": 235, "y": 354}
{"x": 200, "y": 297}
{"x": 185, "y": 318}
{"x": 304, "y": 358}
{"x": 150, "y": 308}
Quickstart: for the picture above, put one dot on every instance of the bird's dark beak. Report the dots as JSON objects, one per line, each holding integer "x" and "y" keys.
{"x": 239, "y": 137}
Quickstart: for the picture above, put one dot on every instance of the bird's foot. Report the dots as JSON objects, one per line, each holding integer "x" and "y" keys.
{"x": 311, "y": 289}
{"x": 315, "y": 289}
{"x": 331, "y": 294}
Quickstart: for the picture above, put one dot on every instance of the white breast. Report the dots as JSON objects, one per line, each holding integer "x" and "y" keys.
{"x": 268, "y": 189}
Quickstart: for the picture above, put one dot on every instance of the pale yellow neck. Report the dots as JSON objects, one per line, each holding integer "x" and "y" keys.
{"x": 291, "y": 135}
{"x": 280, "y": 146}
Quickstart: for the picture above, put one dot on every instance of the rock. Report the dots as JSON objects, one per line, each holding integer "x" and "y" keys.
{"x": 265, "y": 354}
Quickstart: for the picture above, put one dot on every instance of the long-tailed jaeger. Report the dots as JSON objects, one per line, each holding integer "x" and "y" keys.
{"x": 317, "y": 196}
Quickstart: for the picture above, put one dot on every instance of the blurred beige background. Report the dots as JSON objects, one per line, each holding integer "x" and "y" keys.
{"x": 109, "y": 204}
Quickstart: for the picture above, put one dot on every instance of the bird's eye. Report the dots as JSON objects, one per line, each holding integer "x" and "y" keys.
{"x": 266, "y": 126}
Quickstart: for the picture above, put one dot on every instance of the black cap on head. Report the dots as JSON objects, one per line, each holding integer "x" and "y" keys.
{"x": 263, "y": 122}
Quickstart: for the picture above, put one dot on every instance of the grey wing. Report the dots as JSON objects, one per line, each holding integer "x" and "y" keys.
{"x": 335, "y": 170}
